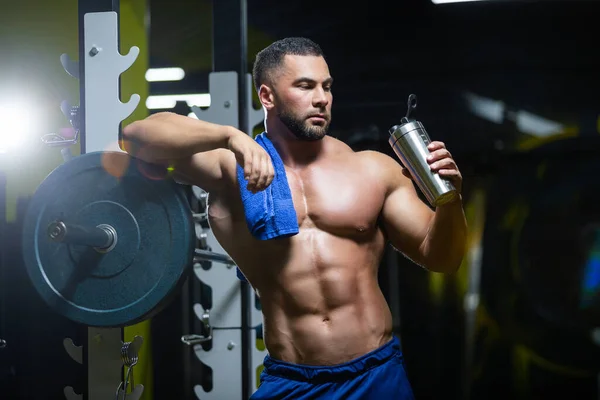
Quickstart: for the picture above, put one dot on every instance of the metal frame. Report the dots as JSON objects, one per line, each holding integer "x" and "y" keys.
{"x": 225, "y": 328}
{"x": 98, "y": 120}
{"x": 230, "y": 53}
{"x": 104, "y": 65}
{"x": 237, "y": 315}
{"x": 234, "y": 314}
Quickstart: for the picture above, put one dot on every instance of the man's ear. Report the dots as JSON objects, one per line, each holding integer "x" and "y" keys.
{"x": 265, "y": 95}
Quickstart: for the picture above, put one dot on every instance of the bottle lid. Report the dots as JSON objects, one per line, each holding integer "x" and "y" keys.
{"x": 403, "y": 129}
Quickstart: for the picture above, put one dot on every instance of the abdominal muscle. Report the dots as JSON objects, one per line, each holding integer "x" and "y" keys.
{"x": 323, "y": 306}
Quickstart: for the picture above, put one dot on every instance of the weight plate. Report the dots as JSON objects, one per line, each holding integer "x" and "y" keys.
{"x": 154, "y": 249}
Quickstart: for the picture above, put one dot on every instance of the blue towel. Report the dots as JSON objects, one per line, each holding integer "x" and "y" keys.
{"x": 270, "y": 213}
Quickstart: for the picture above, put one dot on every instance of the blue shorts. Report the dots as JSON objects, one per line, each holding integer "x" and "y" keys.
{"x": 378, "y": 375}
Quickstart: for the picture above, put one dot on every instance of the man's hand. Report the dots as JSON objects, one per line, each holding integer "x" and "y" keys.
{"x": 440, "y": 160}
{"x": 257, "y": 164}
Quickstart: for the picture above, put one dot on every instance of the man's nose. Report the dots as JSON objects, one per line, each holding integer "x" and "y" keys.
{"x": 320, "y": 98}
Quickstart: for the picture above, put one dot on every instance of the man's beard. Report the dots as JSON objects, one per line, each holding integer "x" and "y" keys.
{"x": 301, "y": 128}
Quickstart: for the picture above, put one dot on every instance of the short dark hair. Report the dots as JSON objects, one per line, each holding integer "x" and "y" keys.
{"x": 271, "y": 57}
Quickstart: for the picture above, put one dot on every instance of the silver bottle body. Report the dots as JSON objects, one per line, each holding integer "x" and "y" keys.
{"x": 409, "y": 141}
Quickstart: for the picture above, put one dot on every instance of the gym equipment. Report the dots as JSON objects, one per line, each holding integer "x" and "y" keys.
{"x": 205, "y": 255}
{"x": 96, "y": 122}
{"x": 234, "y": 304}
{"x": 129, "y": 356}
{"x": 106, "y": 256}
{"x": 223, "y": 324}
{"x": 107, "y": 245}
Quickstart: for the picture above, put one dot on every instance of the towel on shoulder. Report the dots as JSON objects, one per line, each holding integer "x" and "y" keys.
{"x": 270, "y": 213}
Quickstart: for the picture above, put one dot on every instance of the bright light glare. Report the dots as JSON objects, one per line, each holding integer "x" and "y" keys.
{"x": 490, "y": 109}
{"x": 17, "y": 123}
{"x": 536, "y": 125}
{"x": 170, "y": 100}
{"x": 164, "y": 74}
{"x": 526, "y": 122}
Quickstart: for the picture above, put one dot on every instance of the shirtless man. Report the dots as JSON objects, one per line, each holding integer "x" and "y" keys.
{"x": 327, "y": 327}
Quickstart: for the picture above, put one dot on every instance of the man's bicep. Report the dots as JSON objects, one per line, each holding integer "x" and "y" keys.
{"x": 209, "y": 170}
{"x": 406, "y": 220}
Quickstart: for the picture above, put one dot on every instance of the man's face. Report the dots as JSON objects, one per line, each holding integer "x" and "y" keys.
{"x": 302, "y": 96}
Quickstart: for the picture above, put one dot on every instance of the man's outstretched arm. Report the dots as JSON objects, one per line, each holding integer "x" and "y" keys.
{"x": 170, "y": 136}
{"x": 201, "y": 153}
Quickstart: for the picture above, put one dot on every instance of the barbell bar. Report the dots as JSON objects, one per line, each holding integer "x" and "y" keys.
{"x": 104, "y": 237}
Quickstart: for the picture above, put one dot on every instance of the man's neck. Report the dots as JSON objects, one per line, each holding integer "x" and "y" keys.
{"x": 294, "y": 152}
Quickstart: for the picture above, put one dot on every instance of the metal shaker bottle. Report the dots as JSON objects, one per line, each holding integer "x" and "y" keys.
{"x": 409, "y": 141}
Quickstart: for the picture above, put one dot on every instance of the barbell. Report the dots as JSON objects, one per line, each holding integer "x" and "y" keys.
{"x": 106, "y": 243}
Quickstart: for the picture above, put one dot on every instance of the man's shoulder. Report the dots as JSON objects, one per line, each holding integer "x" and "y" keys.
{"x": 382, "y": 167}
{"x": 364, "y": 159}
{"x": 342, "y": 148}
{"x": 376, "y": 158}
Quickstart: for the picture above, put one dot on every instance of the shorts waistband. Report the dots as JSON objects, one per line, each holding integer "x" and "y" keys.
{"x": 336, "y": 372}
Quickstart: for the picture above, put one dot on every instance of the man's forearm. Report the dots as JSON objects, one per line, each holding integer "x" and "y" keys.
{"x": 169, "y": 136}
{"x": 445, "y": 243}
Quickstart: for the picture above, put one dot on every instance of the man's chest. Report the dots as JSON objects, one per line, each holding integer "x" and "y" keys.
{"x": 339, "y": 199}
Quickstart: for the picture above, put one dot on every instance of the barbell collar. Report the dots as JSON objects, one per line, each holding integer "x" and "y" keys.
{"x": 194, "y": 339}
{"x": 101, "y": 237}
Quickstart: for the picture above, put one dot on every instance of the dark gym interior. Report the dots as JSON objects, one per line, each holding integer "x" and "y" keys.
{"x": 511, "y": 88}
